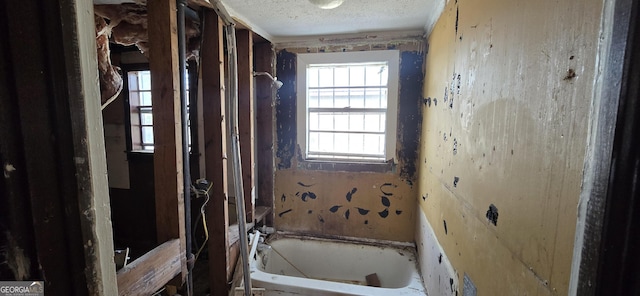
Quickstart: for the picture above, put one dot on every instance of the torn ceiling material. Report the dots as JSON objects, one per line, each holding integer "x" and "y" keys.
{"x": 126, "y": 24}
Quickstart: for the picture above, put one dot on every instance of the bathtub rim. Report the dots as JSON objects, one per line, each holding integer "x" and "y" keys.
{"x": 274, "y": 281}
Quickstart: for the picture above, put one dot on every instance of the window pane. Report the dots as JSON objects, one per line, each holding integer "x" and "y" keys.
{"x": 342, "y": 122}
{"x": 313, "y": 141}
{"x": 145, "y": 98}
{"x": 145, "y": 80}
{"x": 326, "y": 98}
{"x": 312, "y": 77}
{"x": 356, "y": 143}
{"x": 356, "y": 76}
{"x": 325, "y": 121}
{"x": 383, "y": 98}
{"x": 313, "y": 121}
{"x": 341, "y": 98}
{"x": 372, "y": 98}
{"x": 147, "y": 135}
{"x": 314, "y": 97}
{"x": 372, "y": 144}
{"x": 372, "y": 123}
{"x": 146, "y": 118}
{"x": 356, "y": 122}
{"x": 356, "y": 97}
{"x": 326, "y": 77}
{"x": 341, "y": 143}
{"x": 133, "y": 80}
{"x": 325, "y": 142}
{"x": 374, "y": 75}
{"x": 341, "y": 76}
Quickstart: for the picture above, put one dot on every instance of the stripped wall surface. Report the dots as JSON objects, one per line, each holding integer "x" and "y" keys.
{"x": 349, "y": 200}
{"x": 506, "y": 102}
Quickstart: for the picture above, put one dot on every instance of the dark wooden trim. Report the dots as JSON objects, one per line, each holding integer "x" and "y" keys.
{"x": 167, "y": 161}
{"x": 215, "y": 151}
{"x": 246, "y": 115}
{"x": 38, "y": 78}
{"x": 607, "y": 237}
{"x": 264, "y": 60}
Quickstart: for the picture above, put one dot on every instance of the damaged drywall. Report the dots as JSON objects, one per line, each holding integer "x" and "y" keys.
{"x": 126, "y": 24}
{"x": 359, "y": 200}
{"x": 501, "y": 156}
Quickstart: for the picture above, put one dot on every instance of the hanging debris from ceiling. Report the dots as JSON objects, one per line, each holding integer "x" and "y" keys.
{"x": 126, "y": 24}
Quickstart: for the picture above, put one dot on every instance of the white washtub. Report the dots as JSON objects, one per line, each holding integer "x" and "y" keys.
{"x": 316, "y": 266}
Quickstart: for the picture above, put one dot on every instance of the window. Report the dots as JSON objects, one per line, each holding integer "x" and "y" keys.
{"x": 141, "y": 106}
{"x": 347, "y": 105}
{"x": 139, "y": 83}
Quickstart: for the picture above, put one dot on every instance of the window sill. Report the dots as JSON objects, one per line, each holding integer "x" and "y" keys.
{"x": 346, "y": 166}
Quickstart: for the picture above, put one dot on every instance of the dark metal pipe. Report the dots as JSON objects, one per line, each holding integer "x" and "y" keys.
{"x": 191, "y": 14}
{"x": 186, "y": 169}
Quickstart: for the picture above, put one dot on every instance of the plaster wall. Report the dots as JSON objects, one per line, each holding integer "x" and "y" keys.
{"x": 505, "y": 113}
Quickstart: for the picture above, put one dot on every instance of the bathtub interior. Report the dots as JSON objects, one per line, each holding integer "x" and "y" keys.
{"x": 339, "y": 261}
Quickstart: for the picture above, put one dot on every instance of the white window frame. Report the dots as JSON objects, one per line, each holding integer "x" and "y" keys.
{"x": 392, "y": 57}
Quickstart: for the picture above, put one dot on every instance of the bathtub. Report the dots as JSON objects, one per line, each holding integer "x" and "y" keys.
{"x": 296, "y": 265}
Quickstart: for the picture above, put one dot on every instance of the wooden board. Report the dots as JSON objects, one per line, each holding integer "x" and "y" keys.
{"x": 167, "y": 160}
{"x": 264, "y": 56}
{"x": 214, "y": 131}
{"x": 246, "y": 118}
{"x": 152, "y": 271}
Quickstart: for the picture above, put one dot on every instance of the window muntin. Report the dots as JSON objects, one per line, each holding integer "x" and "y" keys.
{"x": 347, "y": 105}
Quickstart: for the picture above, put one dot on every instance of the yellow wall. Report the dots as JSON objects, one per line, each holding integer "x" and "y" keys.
{"x": 507, "y": 93}
{"x": 334, "y": 210}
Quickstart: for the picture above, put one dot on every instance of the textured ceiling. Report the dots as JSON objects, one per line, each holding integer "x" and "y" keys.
{"x": 282, "y": 19}
{"x": 279, "y": 20}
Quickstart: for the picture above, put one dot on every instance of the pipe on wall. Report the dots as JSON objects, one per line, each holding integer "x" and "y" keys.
{"x": 186, "y": 169}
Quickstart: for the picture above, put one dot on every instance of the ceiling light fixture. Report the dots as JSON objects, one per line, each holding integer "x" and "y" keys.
{"x": 327, "y": 4}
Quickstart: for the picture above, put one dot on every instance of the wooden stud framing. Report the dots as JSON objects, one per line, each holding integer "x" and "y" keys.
{"x": 167, "y": 158}
{"x": 246, "y": 115}
{"x": 264, "y": 55}
{"x": 53, "y": 154}
{"x": 214, "y": 130}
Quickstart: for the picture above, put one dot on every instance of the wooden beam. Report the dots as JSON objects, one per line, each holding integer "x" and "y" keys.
{"x": 167, "y": 158}
{"x": 152, "y": 271}
{"x": 246, "y": 115}
{"x": 215, "y": 151}
{"x": 264, "y": 62}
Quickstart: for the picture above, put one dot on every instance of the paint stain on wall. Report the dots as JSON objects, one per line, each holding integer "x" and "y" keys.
{"x": 455, "y": 181}
{"x": 492, "y": 215}
{"x": 455, "y": 146}
{"x": 305, "y": 185}
{"x": 445, "y": 226}
{"x": 363, "y": 211}
{"x": 384, "y": 213}
{"x": 385, "y": 201}
{"x": 306, "y": 195}
{"x": 427, "y": 102}
{"x": 350, "y": 194}
{"x": 284, "y": 212}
